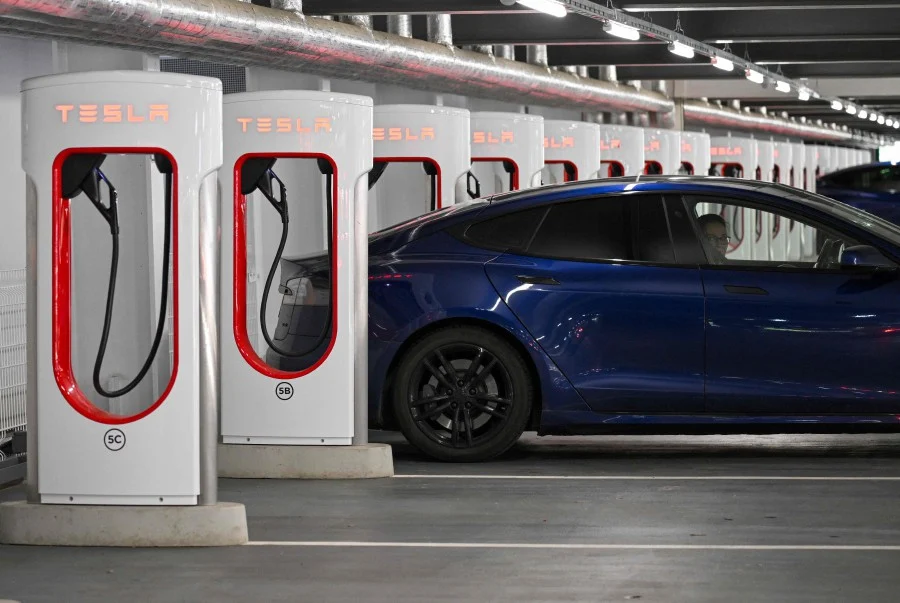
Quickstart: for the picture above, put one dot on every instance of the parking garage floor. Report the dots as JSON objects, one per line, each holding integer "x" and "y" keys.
{"x": 649, "y": 518}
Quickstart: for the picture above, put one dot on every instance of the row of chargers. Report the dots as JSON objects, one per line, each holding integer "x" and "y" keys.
{"x": 119, "y": 165}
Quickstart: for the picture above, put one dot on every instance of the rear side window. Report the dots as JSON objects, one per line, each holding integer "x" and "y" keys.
{"x": 625, "y": 228}
{"x": 509, "y": 231}
{"x": 880, "y": 178}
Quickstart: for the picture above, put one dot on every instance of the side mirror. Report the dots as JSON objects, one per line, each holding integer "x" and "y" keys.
{"x": 864, "y": 256}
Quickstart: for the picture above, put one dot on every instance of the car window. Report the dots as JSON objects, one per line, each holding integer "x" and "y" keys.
{"x": 738, "y": 233}
{"x": 625, "y": 228}
{"x": 509, "y": 231}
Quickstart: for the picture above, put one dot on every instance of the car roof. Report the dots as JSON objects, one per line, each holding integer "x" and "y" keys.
{"x": 643, "y": 183}
{"x": 858, "y": 168}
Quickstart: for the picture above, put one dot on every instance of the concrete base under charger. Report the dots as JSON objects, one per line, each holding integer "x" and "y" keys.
{"x": 305, "y": 462}
{"x": 223, "y": 524}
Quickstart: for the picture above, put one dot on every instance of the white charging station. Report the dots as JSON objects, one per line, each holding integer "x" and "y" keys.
{"x": 734, "y": 157}
{"x": 765, "y": 160}
{"x": 571, "y": 151}
{"x": 308, "y": 151}
{"x": 662, "y": 151}
{"x": 422, "y": 155}
{"x": 73, "y": 123}
{"x": 784, "y": 174}
{"x": 507, "y": 151}
{"x": 844, "y": 158}
{"x": 695, "y": 157}
{"x": 621, "y": 151}
{"x": 121, "y": 199}
{"x": 827, "y": 159}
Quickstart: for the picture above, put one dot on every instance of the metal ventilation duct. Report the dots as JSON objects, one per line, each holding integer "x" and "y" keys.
{"x": 700, "y": 114}
{"x": 247, "y": 34}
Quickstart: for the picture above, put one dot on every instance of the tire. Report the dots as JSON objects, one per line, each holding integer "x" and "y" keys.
{"x": 478, "y": 420}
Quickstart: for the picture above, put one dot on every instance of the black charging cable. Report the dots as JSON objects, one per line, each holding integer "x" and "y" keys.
{"x": 110, "y": 213}
{"x": 281, "y": 206}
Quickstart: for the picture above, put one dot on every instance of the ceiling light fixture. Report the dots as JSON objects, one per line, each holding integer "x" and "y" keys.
{"x": 897, "y": 125}
{"x": 614, "y": 28}
{"x": 754, "y": 76}
{"x": 722, "y": 63}
{"x": 873, "y": 117}
{"x": 837, "y": 105}
{"x": 863, "y": 114}
{"x": 681, "y": 49}
{"x": 550, "y": 7}
{"x": 803, "y": 94}
{"x": 881, "y": 120}
{"x": 782, "y": 86}
{"x": 889, "y": 123}
{"x": 851, "y": 109}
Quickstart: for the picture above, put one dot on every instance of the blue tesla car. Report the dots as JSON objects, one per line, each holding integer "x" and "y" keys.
{"x": 627, "y": 305}
{"x": 874, "y": 188}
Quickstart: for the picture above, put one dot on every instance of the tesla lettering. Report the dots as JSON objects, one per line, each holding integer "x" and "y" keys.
{"x": 112, "y": 113}
{"x": 726, "y": 151}
{"x": 566, "y": 142}
{"x": 403, "y": 134}
{"x": 686, "y": 147}
{"x": 615, "y": 143}
{"x": 653, "y": 146}
{"x": 284, "y": 125}
{"x": 481, "y": 137}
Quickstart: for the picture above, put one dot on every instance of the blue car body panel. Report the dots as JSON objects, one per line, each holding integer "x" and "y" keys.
{"x": 621, "y": 344}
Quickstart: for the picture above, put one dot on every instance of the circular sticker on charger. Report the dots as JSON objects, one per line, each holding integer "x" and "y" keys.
{"x": 284, "y": 391}
{"x": 114, "y": 440}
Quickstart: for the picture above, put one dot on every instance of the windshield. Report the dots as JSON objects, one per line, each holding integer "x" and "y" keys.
{"x": 428, "y": 218}
{"x": 882, "y": 228}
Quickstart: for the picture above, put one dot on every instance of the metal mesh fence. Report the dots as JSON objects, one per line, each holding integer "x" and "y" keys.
{"x": 233, "y": 77}
{"x": 12, "y": 353}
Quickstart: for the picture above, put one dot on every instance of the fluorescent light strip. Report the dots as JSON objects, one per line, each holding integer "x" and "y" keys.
{"x": 851, "y": 109}
{"x": 614, "y": 28}
{"x": 889, "y": 123}
{"x": 754, "y": 76}
{"x": 863, "y": 114}
{"x": 722, "y": 63}
{"x": 682, "y": 50}
{"x": 881, "y": 120}
{"x": 782, "y": 86}
{"x": 837, "y": 105}
{"x": 803, "y": 94}
{"x": 873, "y": 117}
{"x": 550, "y": 7}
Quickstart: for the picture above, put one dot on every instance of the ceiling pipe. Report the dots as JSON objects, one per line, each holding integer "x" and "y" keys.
{"x": 362, "y": 21}
{"x": 536, "y": 54}
{"x": 440, "y": 29}
{"x": 400, "y": 25}
{"x": 247, "y": 34}
{"x": 505, "y": 51}
{"x": 699, "y": 114}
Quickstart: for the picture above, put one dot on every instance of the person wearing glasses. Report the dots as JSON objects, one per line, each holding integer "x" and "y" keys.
{"x": 715, "y": 233}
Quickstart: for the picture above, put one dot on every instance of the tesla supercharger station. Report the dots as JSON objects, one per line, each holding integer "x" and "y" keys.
{"x": 117, "y": 165}
{"x": 695, "y": 157}
{"x": 734, "y": 157}
{"x": 422, "y": 155}
{"x": 829, "y": 158}
{"x": 662, "y": 151}
{"x": 293, "y": 316}
{"x": 621, "y": 151}
{"x": 765, "y": 160}
{"x": 507, "y": 151}
{"x": 571, "y": 151}
{"x": 843, "y": 158}
{"x": 783, "y": 173}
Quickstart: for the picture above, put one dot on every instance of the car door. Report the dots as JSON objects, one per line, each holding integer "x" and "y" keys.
{"x": 807, "y": 337}
{"x": 600, "y": 288}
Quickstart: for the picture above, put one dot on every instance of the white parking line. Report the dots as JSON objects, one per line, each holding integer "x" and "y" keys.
{"x": 574, "y": 546}
{"x": 783, "y": 478}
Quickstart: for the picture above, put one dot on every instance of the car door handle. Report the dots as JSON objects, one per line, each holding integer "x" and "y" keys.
{"x": 744, "y": 290}
{"x": 536, "y": 280}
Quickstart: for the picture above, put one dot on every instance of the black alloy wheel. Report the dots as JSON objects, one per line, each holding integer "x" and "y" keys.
{"x": 462, "y": 394}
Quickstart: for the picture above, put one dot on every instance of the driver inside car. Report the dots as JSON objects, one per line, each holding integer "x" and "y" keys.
{"x": 715, "y": 232}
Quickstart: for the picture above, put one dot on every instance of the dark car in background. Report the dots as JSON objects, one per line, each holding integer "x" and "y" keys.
{"x": 874, "y": 188}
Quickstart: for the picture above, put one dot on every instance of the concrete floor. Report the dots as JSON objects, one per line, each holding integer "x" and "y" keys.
{"x": 716, "y": 518}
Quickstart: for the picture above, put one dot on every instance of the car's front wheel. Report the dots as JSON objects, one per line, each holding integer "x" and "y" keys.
{"x": 462, "y": 394}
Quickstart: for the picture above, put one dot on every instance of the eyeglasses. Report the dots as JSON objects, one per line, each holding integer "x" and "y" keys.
{"x": 724, "y": 239}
